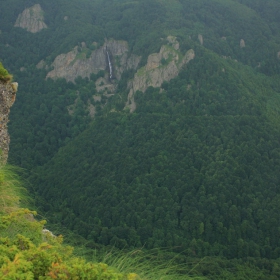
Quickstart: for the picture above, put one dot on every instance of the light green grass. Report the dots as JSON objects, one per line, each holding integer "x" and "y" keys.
{"x": 11, "y": 190}
{"x": 4, "y": 74}
{"x": 147, "y": 265}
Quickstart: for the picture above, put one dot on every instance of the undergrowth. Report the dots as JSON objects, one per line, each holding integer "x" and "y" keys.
{"x": 11, "y": 189}
{"x": 148, "y": 265}
{"x": 4, "y": 74}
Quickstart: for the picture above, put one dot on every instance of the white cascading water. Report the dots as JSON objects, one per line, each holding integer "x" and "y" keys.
{"x": 110, "y": 64}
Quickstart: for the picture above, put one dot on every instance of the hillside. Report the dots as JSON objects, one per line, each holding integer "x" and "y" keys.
{"x": 186, "y": 170}
{"x": 30, "y": 251}
{"x": 150, "y": 123}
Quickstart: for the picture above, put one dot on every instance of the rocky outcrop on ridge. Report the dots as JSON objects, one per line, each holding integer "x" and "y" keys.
{"x": 79, "y": 62}
{"x": 31, "y": 19}
{"x": 7, "y": 98}
{"x": 160, "y": 67}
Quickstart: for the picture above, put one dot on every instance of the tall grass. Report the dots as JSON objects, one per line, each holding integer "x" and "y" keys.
{"x": 11, "y": 189}
{"x": 146, "y": 265}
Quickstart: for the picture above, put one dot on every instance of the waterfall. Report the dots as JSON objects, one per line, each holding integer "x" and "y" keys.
{"x": 110, "y": 64}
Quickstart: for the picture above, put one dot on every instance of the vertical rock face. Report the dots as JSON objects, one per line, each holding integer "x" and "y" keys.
{"x": 31, "y": 19}
{"x": 242, "y": 43}
{"x": 160, "y": 67}
{"x": 7, "y": 98}
{"x": 200, "y": 39}
{"x": 76, "y": 63}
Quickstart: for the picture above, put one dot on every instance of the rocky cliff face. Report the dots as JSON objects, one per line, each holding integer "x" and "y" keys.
{"x": 7, "y": 98}
{"x": 160, "y": 67}
{"x": 31, "y": 19}
{"x": 83, "y": 62}
{"x": 242, "y": 44}
{"x": 200, "y": 39}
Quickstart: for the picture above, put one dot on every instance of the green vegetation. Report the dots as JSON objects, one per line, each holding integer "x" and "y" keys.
{"x": 30, "y": 252}
{"x": 186, "y": 170}
{"x": 194, "y": 169}
{"x": 11, "y": 189}
{"x": 4, "y": 74}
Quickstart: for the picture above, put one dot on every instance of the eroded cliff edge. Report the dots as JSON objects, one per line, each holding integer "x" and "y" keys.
{"x": 7, "y": 99}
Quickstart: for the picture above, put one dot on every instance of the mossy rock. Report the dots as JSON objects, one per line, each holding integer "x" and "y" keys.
{"x": 4, "y": 74}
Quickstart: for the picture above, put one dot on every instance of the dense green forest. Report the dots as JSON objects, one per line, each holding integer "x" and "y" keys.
{"x": 195, "y": 168}
{"x": 30, "y": 251}
{"x": 186, "y": 170}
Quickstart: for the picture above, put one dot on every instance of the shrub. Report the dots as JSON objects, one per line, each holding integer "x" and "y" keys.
{"x": 4, "y": 74}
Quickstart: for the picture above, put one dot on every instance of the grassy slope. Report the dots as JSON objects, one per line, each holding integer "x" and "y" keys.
{"x": 26, "y": 252}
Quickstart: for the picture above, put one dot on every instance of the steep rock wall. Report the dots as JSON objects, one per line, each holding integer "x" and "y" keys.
{"x": 31, "y": 19}
{"x": 160, "y": 67}
{"x": 75, "y": 63}
{"x": 7, "y": 98}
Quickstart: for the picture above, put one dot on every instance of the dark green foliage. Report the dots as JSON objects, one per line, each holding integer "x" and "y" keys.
{"x": 195, "y": 167}
{"x": 42, "y": 120}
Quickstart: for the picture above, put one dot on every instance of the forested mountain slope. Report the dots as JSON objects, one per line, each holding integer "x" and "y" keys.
{"x": 194, "y": 167}
{"x": 195, "y": 163}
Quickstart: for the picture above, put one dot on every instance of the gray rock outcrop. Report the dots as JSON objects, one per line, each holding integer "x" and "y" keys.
{"x": 7, "y": 98}
{"x": 160, "y": 67}
{"x": 76, "y": 63}
{"x": 200, "y": 39}
{"x": 31, "y": 19}
{"x": 242, "y": 43}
